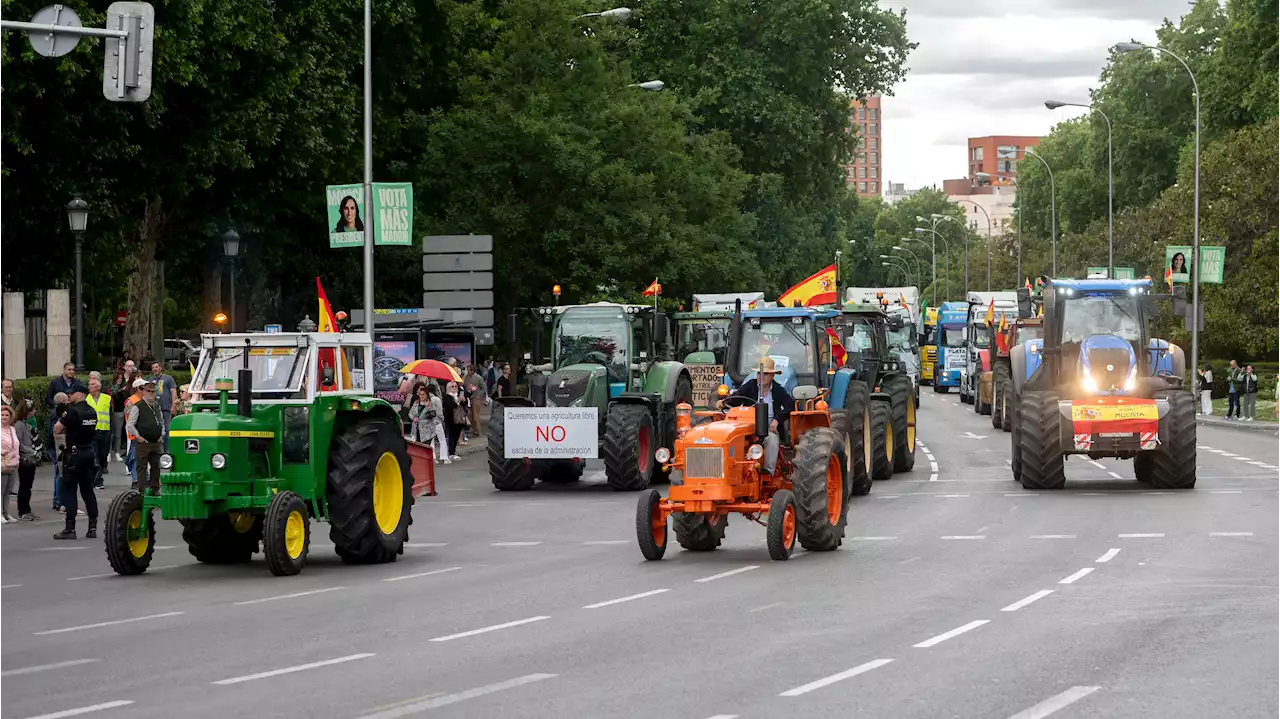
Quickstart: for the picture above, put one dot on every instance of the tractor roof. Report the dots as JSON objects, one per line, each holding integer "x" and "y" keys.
{"x": 809, "y": 312}
{"x": 862, "y": 308}
{"x": 1101, "y": 285}
{"x": 704, "y": 315}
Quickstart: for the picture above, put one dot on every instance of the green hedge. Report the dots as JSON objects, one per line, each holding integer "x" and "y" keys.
{"x": 36, "y": 388}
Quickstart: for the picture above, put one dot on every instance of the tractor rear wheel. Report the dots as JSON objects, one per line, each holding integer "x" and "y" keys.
{"x": 881, "y": 441}
{"x": 230, "y": 538}
{"x": 286, "y": 534}
{"x": 857, "y": 410}
{"x": 1143, "y": 467}
{"x": 902, "y": 418}
{"x": 818, "y": 482}
{"x": 1173, "y": 464}
{"x": 853, "y": 455}
{"x": 999, "y": 388}
{"x": 697, "y": 532}
{"x": 1015, "y": 436}
{"x": 129, "y": 550}
{"x": 563, "y": 472}
{"x": 780, "y": 532}
{"x": 369, "y": 492}
{"x": 651, "y": 532}
{"x": 628, "y": 447}
{"x": 1042, "y": 461}
{"x": 507, "y": 475}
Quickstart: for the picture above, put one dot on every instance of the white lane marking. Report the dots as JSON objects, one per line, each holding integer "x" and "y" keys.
{"x": 112, "y": 574}
{"x": 1158, "y": 493}
{"x": 887, "y": 496}
{"x": 64, "y": 630}
{"x": 1224, "y": 491}
{"x": 1097, "y": 464}
{"x": 485, "y": 630}
{"x": 767, "y": 606}
{"x": 514, "y": 544}
{"x": 1114, "y": 475}
{"x": 963, "y": 536}
{"x": 933, "y": 466}
{"x": 953, "y": 496}
{"x": 953, "y": 633}
{"x": 1227, "y": 454}
{"x": 1260, "y": 464}
{"x": 1027, "y": 600}
{"x": 1055, "y": 702}
{"x": 872, "y": 539}
{"x": 166, "y": 546}
{"x": 1151, "y": 535}
{"x": 85, "y": 710}
{"x": 724, "y": 716}
{"x": 933, "y": 477}
{"x": 620, "y": 600}
{"x": 46, "y": 667}
{"x": 292, "y": 670}
{"x": 826, "y": 681}
{"x": 729, "y": 573}
{"x": 288, "y": 596}
{"x": 1092, "y": 494}
{"x": 1243, "y": 459}
{"x": 436, "y": 702}
{"x": 60, "y": 549}
{"x": 421, "y": 574}
{"x": 1211, "y": 449}
{"x": 1053, "y": 536}
{"x": 1230, "y": 534}
{"x": 426, "y": 544}
{"x": 10, "y": 586}
{"x": 607, "y": 541}
{"x": 1081, "y": 574}
{"x": 1110, "y": 555}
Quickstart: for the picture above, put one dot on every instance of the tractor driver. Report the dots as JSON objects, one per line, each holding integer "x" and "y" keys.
{"x": 766, "y": 391}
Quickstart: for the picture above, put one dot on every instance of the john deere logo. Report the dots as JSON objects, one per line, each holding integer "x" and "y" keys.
{"x": 191, "y": 446}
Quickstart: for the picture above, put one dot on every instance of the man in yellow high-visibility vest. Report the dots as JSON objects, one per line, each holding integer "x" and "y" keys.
{"x": 101, "y": 403}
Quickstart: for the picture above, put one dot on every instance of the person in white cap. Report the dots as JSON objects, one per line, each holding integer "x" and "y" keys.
{"x": 145, "y": 423}
{"x": 765, "y": 391}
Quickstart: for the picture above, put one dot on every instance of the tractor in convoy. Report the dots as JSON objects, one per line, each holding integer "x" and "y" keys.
{"x": 284, "y": 429}
{"x": 1101, "y": 386}
{"x": 977, "y": 337}
{"x": 605, "y": 360}
{"x": 719, "y": 468}
{"x": 880, "y": 386}
{"x": 950, "y": 354}
{"x": 995, "y": 386}
{"x": 702, "y": 343}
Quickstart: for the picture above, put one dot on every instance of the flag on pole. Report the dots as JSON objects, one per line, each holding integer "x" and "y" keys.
{"x": 654, "y": 289}
{"x": 837, "y": 348}
{"x": 1002, "y": 342}
{"x": 816, "y": 289}
{"x": 1028, "y": 283}
{"x": 991, "y": 312}
{"x": 329, "y": 357}
{"x": 1168, "y": 277}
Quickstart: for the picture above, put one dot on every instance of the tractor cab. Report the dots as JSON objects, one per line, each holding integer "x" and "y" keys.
{"x": 1097, "y": 331}
{"x": 796, "y": 339}
{"x": 703, "y": 337}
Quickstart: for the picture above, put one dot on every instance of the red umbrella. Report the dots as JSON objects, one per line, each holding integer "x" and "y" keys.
{"x": 433, "y": 369}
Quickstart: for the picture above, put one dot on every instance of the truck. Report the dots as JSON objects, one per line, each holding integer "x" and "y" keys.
{"x": 726, "y": 301}
{"x": 976, "y": 337}
{"x": 949, "y": 364}
{"x": 995, "y": 385}
{"x": 928, "y": 344}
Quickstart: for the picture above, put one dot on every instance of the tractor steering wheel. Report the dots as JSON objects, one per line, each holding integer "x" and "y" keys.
{"x": 738, "y": 400}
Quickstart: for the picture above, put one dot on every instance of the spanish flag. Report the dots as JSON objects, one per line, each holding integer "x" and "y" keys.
{"x": 654, "y": 289}
{"x": 816, "y": 289}
{"x": 1002, "y": 342}
{"x": 329, "y": 357}
{"x": 1028, "y": 284}
{"x": 1168, "y": 277}
{"x": 328, "y": 323}
{"x": 838, "y": 354}
{"x": 991, "y": 312}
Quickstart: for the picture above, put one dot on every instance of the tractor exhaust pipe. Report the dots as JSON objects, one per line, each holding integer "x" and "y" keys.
{"x": 735, "y": 342}
{"x": 762, "y": 420}
{"x": 244, "y": 395}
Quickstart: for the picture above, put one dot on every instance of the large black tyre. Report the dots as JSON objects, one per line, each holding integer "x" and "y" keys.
{"x": 853, "y": 460}
{"x": 819, "y": 483}
{"x": 1173, "y": 464}
{"x": 940, "y": 388}
{"x": 780, "y": 531}
{"x": 628, "y": 447}
{"x": 902, "y": 419}
{"x": 286, "y": 534}
{"x": 1000, "y": 381}
{"x": 650, "y": 533}
{"x": 128, "y": 551}
{"x": 369, "y": 492}
{"x": 562, "y": 472}
{"x": 857, "y": 410}
{"x": 980, "y": 407}
{"x": 881, "y": 442}
{"x": 230, "y": 538}
{"x": 1042, "y": 460}
{"x": 697, "y": 532}
{"x": 1143, "y": 467}
{"x": 1015, "y": 436}
{"x": 507, "y": 475}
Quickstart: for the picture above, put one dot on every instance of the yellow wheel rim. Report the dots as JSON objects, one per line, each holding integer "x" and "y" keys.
{"x": 138, "y": 546}
{"x": 888, "y": 440}
{"x": 241, "y": 522}
{"x": 911, "y": 424}
{"x": 295, "y": 534}
{"x": 388, "y": 493}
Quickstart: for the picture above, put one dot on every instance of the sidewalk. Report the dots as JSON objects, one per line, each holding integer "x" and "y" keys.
{"x": 1216, "y": 421}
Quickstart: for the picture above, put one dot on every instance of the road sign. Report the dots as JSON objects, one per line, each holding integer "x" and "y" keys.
{"x": 1095, "y": 272}
{"x": 1125, "y": 273}
{"x": 126, "y": 66}
{"x": 273, "y": 329}
{"x": 52, "y": 44}
{"x": 471, "y": 262}
{"x": 462, "y": 299}
{"x": 435, "y": 244}
{"x": 121, "y": 316}
{"x": 484, "y": 335}
{"x": 457, "y": 281}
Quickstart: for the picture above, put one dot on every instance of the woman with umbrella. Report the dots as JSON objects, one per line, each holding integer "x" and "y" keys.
{"x": 437, "y": 370}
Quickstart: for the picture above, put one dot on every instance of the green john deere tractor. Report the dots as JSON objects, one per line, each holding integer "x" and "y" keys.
{"x": 604, "y": 356}
{"x": 284, "y": 429}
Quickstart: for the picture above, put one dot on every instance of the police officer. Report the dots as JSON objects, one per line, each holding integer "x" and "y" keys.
{"x": 79, "y": 466}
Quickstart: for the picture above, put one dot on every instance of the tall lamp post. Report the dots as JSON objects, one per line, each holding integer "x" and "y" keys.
{"x": 1111, "y": 243}
{"x": 1053, "y": 208}
{"x": 231, "y": 248}
{"x": 1122, "y": 47}
{"x": 905, "y": 265}
{"x": 914, "y": 259}
{"x": 901, "y": 268}
{"x": 966, "y": 259}
{"x": 946, "y": 247}
{"x": 78, "y": 220}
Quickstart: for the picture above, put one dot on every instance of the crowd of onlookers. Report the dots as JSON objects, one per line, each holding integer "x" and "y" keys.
{"x": 1242, "y": 391}
{"x": 445, "y": 414}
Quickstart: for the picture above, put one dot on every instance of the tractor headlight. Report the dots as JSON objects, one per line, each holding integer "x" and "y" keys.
{"x": 1090, "y": 384}
{"x": 1132, "y": 381}
{"x": 663, "y": 455}
{"x": 579, "y": 401}
{"x": 755, "y": 451}
{"x": 218, "y": 461}
{"x": 166, "y": 461}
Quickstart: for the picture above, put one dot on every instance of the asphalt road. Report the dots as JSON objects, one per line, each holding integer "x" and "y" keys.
{"x": 956, "y": 594}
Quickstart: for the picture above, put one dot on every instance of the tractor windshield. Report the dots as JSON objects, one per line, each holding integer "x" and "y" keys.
{"x": 1030, "y": 332}
{"x": 783, "y": 340}
{"x": 902, "y": 338}
{"x": 861, "y": 338}
{"x": 275, "y": 369}
{"x": 1101, "y": 314}
{"x": 704, "y": 335}
{"x": 594, "y": 336}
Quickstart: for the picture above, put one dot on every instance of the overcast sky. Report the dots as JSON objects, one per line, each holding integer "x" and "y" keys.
{"x": 985, "y": 67}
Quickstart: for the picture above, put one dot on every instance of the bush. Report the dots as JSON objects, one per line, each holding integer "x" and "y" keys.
{"x": 36, "y": 389}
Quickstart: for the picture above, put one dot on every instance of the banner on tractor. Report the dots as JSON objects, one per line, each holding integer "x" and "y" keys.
{"x": 706, "y": 378}
{"x": 1114, "y": 412}
{"x": 552, "y": 433}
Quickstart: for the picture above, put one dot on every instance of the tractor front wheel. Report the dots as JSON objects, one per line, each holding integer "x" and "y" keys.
{"x": 651, "y": 531}
{"x": 881, "y": 442}
{"x": 563, "y": 472}
{"x": 819, "y": 485}
{"x": 857, "y": 410}
{"x": 230, "y": 538}
{"x": 629, "y": 444}
{"x": 1039, "y": 443}
{"x": 780, "y": 532}
{"x": 507, "y": 475}
{"x": 129, "y": 547}
{"x": 369, "y": 492}
{"x": 1173, "y": 464}
{"x": 286, "y": 534}
{"x": 697, "y": 532}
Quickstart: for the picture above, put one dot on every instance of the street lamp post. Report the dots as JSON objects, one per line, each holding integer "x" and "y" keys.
{"x": 946, "y": 247}
{"x": 78, "y": 219}
{"x": 905, "y": 265}
{"x": 905, "y": 274}
{"x": 1122, "y": 47}
{"x": 620, "y": 14}
{"x": 947, "y": 218}
{"x": 231, "y": 248}
{"x": 933, "y": 261}
{"x": 1053, "y": 209}
{"x": 1111, "y": 243}
{"x": 651, "y": 85}
{"x": 914, "y": 259}
{"x": 966, "y": 259}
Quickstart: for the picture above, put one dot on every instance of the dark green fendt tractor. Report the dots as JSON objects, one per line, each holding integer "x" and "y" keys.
{"x": 284, "y": 429}
{"x": 605, "y": 356}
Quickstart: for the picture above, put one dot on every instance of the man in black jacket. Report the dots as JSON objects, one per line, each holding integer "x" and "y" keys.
{"x": 79, "y": 426}
{"x": 765, "y": 390}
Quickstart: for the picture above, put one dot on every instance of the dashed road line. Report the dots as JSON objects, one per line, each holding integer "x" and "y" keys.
{"x": 1150, "y": 535}
{"x": 595, "y": 542}
{"x": 514, "y": 544}
{"x": 486, "y": 630}
{"x": 934, "y": 641}
{"x": 872, "y": 539}
{"x": 1115, "y": 475}
{"x": 1081, "y": 574}
{"x": 767, "y": 606}
{"x": 60, "y": 549}
{"x": 729, "y": 573}
{"x": 113, "y": 574}
{"x": 1230, "y": 534}
{"x": 827, "y": 681}
{"x": 1027, "y": 600}
{"x": 1225, "y": 491}
{"x": 294, "y": 595}
{"x": 953, "y": 496}
{"x": 933, "y": 477}
{"x": 46, "y": 667}
{"x": 620, "y": 600}
{"x": 1108, "y": 556}
{"x": 1226, "y": 454}
{"x": 1053, "y": 536}
{"x": 1055, "y": 702}
{"x": 1097, "y": 464}
{"x": 963, "y": 536}
{"x": 724, "y": 716}
{"x": 10, "y": 586}
{"x": 421, "y": 574}
{"x": 291, "y": 670}
{"x": 85, "y": 710}
{"x": 97, "y": 625}
{"x": 887, "y": 496}
{"x": 933, "y": 466}
{"x": 446, "y": 700}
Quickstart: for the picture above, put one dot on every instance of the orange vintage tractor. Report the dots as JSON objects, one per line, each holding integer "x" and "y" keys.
{"x": 806, "y": 498}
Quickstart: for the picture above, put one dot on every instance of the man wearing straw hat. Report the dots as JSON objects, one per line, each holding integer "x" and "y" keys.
{"x": 765, "y": 391}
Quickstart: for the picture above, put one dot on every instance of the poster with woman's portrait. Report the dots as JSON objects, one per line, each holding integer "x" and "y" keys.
{"x": 1177, "y": 263}
{"x": 346, "y": 215}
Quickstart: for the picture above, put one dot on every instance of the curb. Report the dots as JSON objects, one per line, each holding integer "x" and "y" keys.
{"x": 1238, "y": 425}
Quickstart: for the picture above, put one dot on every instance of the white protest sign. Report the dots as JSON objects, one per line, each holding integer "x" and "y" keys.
{"x": 706, "y": 379}
{"x": 551, "y": 432}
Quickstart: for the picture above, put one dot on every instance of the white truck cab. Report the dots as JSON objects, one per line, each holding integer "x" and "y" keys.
{"x": 976, "y": 336}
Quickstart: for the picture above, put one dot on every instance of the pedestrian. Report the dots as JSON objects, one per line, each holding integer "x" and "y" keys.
{"x": 1206, "y": 390}
{"x": 475, "y": 398}
{"x": 1235, "y": 382}
{"x": 455, "y": 417}
{"x": 28, "y": 459}
{"x": 144, "y": 420}
{"x": 6, "y": 393}
{"x": 167, "y": 395}
{"x": 101, "y": 403}
{"x": 1249, "y": 388}
{"x": 425, "y": 426}
{"x": 408, "y": 393}
{"x": 121, "y": 391}
{"x": 10, "y": 454}
{"x": 503, "y": 383}
{"x": 490, "y": 375}
{"x": 78, "y": 425}
{"x": 131, "y": 447}
{"x": 61, "y": 384}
